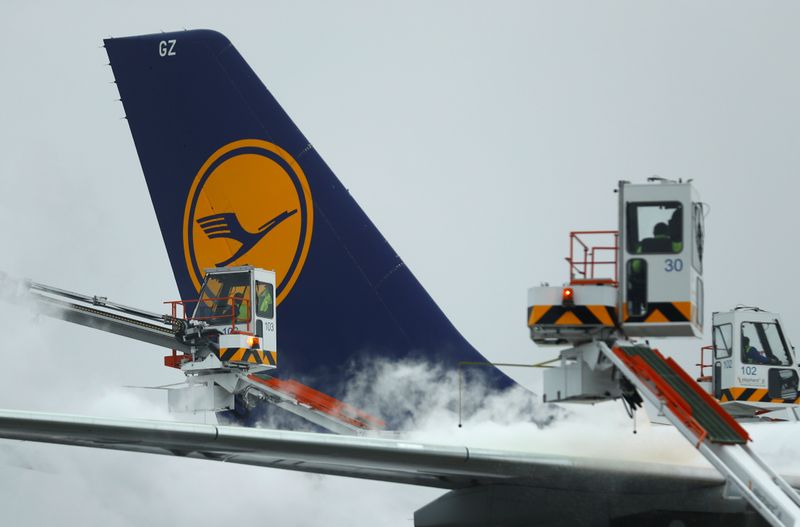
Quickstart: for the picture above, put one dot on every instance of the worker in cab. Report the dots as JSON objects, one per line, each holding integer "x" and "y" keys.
{"x": 240, "y": 308}
{"x": 675, "y": 228}
{"x": 661, "y": 242}
{"x": 752, "y": 354}
{"x": 264, "y": 300}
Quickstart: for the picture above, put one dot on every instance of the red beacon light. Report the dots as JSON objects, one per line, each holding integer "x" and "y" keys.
{"x": 567, "y": 297}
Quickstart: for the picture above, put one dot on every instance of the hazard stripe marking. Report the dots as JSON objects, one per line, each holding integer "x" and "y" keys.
{"x": 572, "y": 316}
{"x": 656, "y": 316}
{"x": 537, "y": 313}
{"x": 747, "y": 394}
{"x": 684, "y": 308}
{"x": 252, "y": 356}
{"x": 754, "y": 395}
{"x": 736, "y": 393}
{"x": 228, "y": 353}
{"x": 659, "y": 312}
{"x": 568, "y": 319}
{"x": 671, "y": 311}
{"x": 602, "y": 314}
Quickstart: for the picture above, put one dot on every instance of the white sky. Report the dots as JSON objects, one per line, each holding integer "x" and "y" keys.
{"x": 475, "y": 135}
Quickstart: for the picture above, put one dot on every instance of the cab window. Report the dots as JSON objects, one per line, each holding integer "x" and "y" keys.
{"x": 224, "y": 296}
{"x": 763, "y": 343}
{"x": 698, "y": 231}
{"x": 265, "y": 300}
{"x": 722, "y": 341}
{"x": 655, "y": 227}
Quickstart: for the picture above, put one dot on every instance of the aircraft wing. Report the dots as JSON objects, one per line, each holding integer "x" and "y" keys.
{"x": 393, "y": 460}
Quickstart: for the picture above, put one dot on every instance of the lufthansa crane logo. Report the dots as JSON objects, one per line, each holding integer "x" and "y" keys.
{"x": 250, "y": 203}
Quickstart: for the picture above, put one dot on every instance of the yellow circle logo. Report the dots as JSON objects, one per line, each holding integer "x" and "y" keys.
{"x": 249, "y": 204}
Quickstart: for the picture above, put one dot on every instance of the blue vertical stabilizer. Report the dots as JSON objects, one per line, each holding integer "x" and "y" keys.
{"x": 233, "y": 181}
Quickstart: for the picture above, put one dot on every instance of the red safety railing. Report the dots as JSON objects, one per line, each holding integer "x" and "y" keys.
{"x": 229, "y": 301}
{"x": 589, "y": 259}
{"x": 703, "y": 377}
{"x": 175, "y": 360}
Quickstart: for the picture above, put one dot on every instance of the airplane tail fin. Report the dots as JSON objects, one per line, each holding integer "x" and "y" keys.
{"x": 234, "y": 181}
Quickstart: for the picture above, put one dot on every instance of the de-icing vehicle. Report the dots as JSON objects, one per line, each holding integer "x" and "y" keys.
{"x": 754, "y": 367}
{"x": 225, "y": 342}
{"x": 646, "y": 280}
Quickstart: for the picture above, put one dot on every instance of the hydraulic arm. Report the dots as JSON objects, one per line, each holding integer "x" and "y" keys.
{"x": 95, "y": 312}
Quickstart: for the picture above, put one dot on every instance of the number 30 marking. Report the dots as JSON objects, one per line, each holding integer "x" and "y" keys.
{"x": 673, "y": 265}
{"x": 166, "y": 48}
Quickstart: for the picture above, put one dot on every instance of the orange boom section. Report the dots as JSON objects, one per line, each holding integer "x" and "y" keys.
{"x": 694, "y": 407}
{"x": 322, "y": 402}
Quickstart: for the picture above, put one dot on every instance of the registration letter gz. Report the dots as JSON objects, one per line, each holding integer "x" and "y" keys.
{"x": 166, "y": 48}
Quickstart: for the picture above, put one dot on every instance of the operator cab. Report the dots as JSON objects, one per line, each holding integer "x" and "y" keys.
{"x": 661, "y": 259}
{"x": 238, "y": 303}
{"x": 754, "y": 364}
{"x": 643, "y": 280}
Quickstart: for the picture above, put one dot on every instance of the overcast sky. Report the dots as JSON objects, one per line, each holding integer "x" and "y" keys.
{"x": 475, "y": 135}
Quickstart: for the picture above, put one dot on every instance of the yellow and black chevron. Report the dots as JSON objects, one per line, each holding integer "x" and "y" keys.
{"x": 251, "y": 356}
{"x": 661, "y": 312}
{"x": 753, "y": 395}
{"x": 559, "y": 315}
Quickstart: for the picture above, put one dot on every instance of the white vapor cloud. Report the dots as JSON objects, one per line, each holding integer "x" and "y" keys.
{"x": 414, "y": 394}
{"x": 423, "y": 400}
